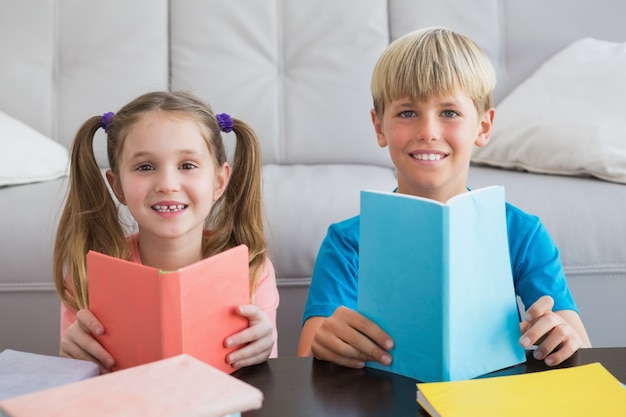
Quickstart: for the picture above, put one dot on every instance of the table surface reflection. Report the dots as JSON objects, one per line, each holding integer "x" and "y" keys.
{"x": 300, "y": 387}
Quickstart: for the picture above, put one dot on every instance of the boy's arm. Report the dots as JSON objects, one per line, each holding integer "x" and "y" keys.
{"x": 557, "y": 334}
{"x": 346, "y": 338}
{"x": 306, "y": 335}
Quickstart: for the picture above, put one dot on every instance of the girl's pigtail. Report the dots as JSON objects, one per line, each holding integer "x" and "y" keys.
{"x": 239, "y": 213}
{"x": 89, "y": 220}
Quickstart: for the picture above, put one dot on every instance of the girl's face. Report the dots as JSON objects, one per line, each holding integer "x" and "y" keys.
{"x": 167, "y": 177}
{"x": 431, "y": 142}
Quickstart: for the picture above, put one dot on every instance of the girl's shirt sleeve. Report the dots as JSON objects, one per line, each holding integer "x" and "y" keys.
{"x": 266, "y": 297}
{"x": 68, "y": 316}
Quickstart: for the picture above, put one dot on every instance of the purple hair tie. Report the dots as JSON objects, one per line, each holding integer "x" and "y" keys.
{"x": 225, "y": 122}
{"x": 106, "y": 121}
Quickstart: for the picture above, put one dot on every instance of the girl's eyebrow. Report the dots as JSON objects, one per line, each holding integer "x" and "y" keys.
{"x": 143, "y": 154}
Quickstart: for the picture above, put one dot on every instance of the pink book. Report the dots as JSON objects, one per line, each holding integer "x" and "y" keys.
{"x": 149, "y": 314}
{"x": 182, "y": 386}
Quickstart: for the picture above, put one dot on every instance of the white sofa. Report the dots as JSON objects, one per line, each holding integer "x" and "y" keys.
{"x": 298, "y": 71}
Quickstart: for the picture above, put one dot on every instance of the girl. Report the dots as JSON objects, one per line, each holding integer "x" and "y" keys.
{"x": 168, "y": 166}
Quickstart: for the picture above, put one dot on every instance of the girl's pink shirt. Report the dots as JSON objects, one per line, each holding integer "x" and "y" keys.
{"x": 265, "y": 296}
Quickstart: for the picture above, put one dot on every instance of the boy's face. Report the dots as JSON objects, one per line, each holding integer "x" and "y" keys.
{"x": 431, "y": 142}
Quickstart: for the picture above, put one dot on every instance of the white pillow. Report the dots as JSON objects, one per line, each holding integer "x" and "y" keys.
{"x": 568, "y": 118}
{"x": 27, "y": 155}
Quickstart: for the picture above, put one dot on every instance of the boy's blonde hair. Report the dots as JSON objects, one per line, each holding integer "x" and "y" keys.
{"x": 433, "y": 62}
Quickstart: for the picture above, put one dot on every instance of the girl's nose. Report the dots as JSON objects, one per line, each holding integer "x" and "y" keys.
{"x": 167, "y": 182}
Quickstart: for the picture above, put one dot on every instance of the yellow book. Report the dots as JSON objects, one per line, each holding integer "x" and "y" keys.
{"x": 586, "y": 390}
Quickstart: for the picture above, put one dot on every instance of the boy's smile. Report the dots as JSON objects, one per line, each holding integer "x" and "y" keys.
{"x": 431, "y": 142}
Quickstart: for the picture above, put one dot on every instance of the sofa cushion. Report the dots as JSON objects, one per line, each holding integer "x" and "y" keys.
{"x": 567, "y": 117}
{"x": 28, "y": 156}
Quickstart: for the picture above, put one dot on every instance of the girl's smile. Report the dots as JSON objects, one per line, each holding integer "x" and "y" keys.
{"x": 167, "y": 177}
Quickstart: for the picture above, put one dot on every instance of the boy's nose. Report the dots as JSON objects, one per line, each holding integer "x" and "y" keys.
{"x": 428, "y": 130}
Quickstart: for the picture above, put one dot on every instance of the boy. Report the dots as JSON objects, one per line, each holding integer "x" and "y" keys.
{"x": 432, "y": 92}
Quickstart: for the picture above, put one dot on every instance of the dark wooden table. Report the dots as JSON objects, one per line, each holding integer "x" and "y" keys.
{"x": 301, "y": 387}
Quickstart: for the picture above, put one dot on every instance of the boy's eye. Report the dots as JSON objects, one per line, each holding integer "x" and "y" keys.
{"x": 188, "y": 165}
{"x": 407, "y": 113}
{"x": 449, "y": 113}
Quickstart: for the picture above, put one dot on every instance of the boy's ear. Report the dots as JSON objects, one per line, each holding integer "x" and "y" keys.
{"x": 221, "y": 181}
{"x": 115, "y": 186}
{"x": 378, "y": 128}
{"x": 486, "y": 123}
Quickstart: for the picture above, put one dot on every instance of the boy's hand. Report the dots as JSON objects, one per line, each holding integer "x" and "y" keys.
{"x": 348, "y": 338}
{"x": 257, "y": 340}
{"x": 78, "y": 342}
{"x": 555, "y": 337}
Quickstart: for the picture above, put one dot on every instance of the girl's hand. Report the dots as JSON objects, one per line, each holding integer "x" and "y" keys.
{"x": 256, "y": 341}
{"x": 348, "y": 338}
{"x": 558, "y": 335}
{"x": 78, "y": 342}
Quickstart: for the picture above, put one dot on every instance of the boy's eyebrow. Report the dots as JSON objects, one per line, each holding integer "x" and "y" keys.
{"x": 405, "y": 102}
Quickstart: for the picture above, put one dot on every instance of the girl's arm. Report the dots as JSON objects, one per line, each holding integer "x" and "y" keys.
{"x": 260, "y": 340}
{"x": 78, "y": 341}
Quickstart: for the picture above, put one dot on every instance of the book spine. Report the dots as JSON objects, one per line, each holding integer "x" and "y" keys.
{"x": 445, "y": 295}
{"x": 171, "y": 314}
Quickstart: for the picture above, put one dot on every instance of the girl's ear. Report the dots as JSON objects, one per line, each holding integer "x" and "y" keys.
{"x": 486, "y": 123}
{"x": 378, "y": 128}
{"x": 115, "y": 186}
{"x": 221, "y": 181}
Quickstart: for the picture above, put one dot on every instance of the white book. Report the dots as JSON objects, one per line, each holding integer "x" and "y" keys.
{"x": 25, "y": 372}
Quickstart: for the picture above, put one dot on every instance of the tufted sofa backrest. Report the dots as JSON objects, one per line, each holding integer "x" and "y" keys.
{"x": 297, "y": 70}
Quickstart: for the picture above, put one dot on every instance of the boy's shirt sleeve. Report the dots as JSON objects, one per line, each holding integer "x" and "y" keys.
{"x": 335, "y": 276}
{"x": 536, "y": 262}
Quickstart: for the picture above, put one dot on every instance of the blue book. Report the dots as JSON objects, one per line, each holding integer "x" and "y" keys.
{"x": 437, "y": 278}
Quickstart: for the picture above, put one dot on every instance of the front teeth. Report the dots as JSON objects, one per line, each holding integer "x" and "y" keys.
{"x": 428, "y": 156}
{"x": 169, "y": 209}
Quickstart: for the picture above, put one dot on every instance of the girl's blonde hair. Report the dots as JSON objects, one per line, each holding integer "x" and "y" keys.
{"x": 90, "y": 218}
{"x": 433, "y": 62}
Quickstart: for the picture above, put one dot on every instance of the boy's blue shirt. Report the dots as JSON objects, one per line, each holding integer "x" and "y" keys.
{"x": 535, "y": 263}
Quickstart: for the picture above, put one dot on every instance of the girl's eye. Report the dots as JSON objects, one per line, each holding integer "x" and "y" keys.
{"x": 144, "y": 167}
{"x": 407, "y": 113}
{"x": 188, "y": 165}
{"x": 449, "y": 113}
